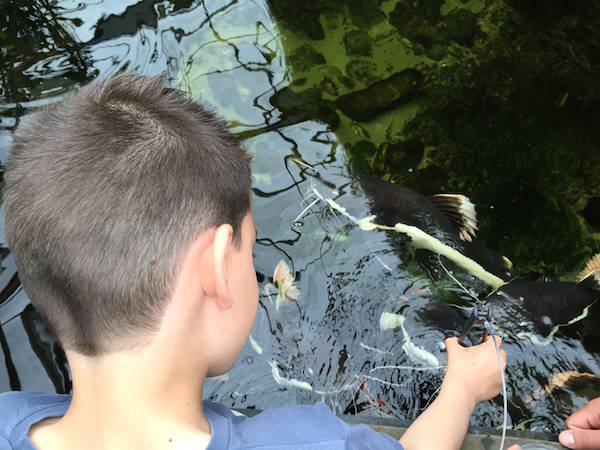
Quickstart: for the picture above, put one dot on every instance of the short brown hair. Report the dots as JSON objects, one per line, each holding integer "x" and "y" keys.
{"x": 105, "y": 191}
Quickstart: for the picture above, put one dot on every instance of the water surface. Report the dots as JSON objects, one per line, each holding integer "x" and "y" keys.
{"x": 495, "y": 100}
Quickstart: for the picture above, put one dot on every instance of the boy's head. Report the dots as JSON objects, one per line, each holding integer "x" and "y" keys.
{"x": 105, "y": 193}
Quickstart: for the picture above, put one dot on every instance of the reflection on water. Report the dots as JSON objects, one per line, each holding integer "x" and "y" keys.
{"x": 433, "y": 95}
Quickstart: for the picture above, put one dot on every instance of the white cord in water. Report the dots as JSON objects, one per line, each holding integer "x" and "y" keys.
{"x": 465, "y": 290}
{"x": 505, "y": 418}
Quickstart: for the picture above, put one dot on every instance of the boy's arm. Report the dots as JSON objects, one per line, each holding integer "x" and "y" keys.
{"x": 472, "y": 375}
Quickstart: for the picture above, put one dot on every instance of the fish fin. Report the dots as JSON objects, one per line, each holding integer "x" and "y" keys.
{"x": 560, "y": 379}
{"x": 364, "y": 398}
{"x": 459, "y": 209}
{"x": 591, "y": 273}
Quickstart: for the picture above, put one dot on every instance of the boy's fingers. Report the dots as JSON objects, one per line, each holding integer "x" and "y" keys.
{"x": 451, "y": 343}
{"x": 497, "y": 338}
{"x": 452, "y": 340}
{"x": 579, "y": 439}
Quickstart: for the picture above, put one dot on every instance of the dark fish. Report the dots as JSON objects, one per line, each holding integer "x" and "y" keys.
{"x": 451, "y": 218}
{"x": 545, "y": 307}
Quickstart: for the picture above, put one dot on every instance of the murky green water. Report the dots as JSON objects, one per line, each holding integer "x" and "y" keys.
{"x": 497, "y": 100}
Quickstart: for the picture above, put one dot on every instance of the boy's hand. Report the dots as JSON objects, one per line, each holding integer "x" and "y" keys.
{"x": 472, "y": 375}
{"x": 475, "y": 369}
{"x": 583, "y": 428}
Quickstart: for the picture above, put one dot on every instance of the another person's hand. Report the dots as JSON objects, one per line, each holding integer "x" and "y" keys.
{"x": 475, "y": 369}
{"x": 583, "y": 428}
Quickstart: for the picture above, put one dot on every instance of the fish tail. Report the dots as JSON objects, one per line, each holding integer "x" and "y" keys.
{"x": 591, "y": 273}
{"x": 459, "y": 209}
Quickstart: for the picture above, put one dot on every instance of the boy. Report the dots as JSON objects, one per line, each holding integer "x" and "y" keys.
{"x": 128, "y": 212}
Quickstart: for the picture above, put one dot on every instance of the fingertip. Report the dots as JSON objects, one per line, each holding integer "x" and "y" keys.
{"x": 451, "y": 345}
{"x": 567, "y": 439}
{"x": 451, "y": 340}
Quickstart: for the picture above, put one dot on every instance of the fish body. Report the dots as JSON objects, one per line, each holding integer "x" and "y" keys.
{"x": 393, "y": 203}
{"x": 549, "y": 307}
{"x": 449, "y": 218}
{"x": 548, "y": 304}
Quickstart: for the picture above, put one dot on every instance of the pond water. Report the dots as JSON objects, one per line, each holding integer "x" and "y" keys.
{"x": 496, "y": 100}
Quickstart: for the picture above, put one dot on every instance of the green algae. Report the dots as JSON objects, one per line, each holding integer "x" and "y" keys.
{"x": 506, "y": 112}
{"x": 305, "y": 57}
{"x": 356, "y": 42}
{"x": 381, "y": 96}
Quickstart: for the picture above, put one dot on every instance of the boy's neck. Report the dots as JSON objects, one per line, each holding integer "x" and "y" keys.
{"x": 126, "y": 400}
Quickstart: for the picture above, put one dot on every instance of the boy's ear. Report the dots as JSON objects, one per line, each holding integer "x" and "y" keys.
{"x": 220, "y": 250}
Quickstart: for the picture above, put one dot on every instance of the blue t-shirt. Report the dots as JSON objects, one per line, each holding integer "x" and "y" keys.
{"x": 296, "y": 427}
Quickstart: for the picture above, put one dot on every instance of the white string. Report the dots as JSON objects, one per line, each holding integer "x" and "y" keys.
{"x": 388, "y": 268}
{"x": 505, "y": 414}
{"x": 305, "y": 210}
{"x": 456, "y": 281}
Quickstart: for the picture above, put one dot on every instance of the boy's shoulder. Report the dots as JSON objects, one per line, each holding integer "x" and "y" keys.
{"x": 20, "y": 410}
{"x": 298, "y": 426}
